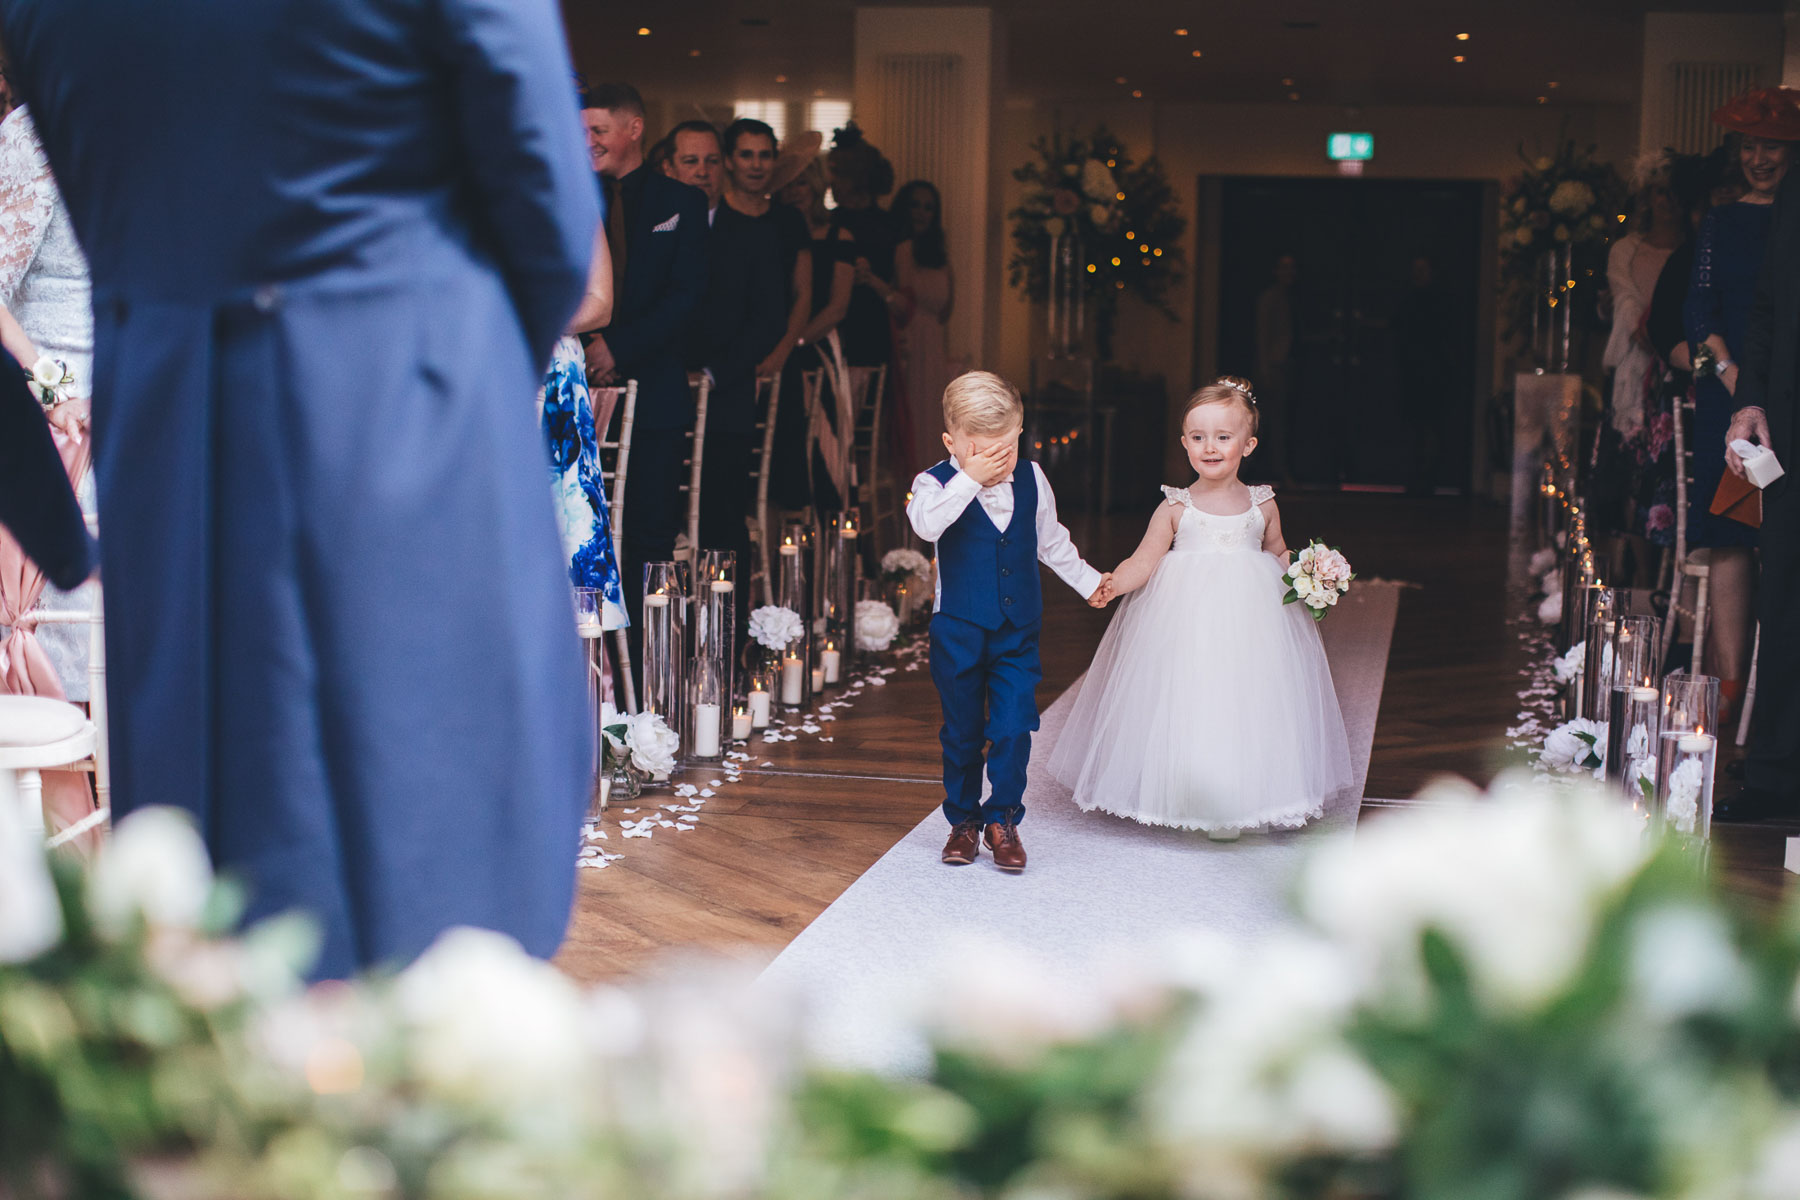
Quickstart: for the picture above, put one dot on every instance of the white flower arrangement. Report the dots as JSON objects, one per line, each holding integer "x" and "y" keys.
{"x": 898, "y": 565}
{"x": 1575, "y": 746}
{"x": 51, "y": 379}
{"x": 1685, "y": 783}
{"x": 775, "y": 627}
{"x": 652, "y": 743}
{"x": 1316, "y": 578}
{"x": 1571, "y": 664}
{"x": 1542, "y": 561}
{"x": 154, "y": 868}
{"x": 1550, "y": 611}
{"x": 877, "y": 625}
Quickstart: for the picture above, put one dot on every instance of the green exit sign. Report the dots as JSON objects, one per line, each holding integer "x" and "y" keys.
{"x": 1350, "y": 147}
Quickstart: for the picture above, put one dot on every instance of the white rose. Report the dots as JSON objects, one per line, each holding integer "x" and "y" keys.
{"x": 1685, "y": 783}
{"x": 652, "y": 743}
{"x": 49, "y": 372}
{"x": 774, "y": 626}
{"x": 1550, "y": 611}
{"x": 1571, "y": 664}
{"x": 1304, "y": 586}
{"x": 1571, "y": 198}
{"x": 1056, "y": 227}
{"x": 1542, "y": 561}
{"x": 1523, "y": 236}
{"x": 155, "y": 866}
{"x": 876, "y": 625}
{"x": 1100, "y": 215}
{"x": 30, "y": 912}
{"x": 1565, "y": 749}
{"x": 1683, "y": 964}
{"x": 489, "y": 1023}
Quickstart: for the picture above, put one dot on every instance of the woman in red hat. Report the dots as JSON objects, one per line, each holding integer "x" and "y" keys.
{"x": 1728, "y": 252}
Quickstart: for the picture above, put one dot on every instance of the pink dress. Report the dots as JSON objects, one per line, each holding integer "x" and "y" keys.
{"x": 925, "y": 363}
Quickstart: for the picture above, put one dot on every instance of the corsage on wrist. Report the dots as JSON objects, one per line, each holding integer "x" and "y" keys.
{"x": 1706, "y": 359}
{"x": 50, "y": 379}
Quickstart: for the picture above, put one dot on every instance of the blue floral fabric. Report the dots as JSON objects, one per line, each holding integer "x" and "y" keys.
{"x": 580, "y": 494}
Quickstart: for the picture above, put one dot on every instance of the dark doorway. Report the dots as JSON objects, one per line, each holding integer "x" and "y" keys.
{"x": 1376, "y": 384}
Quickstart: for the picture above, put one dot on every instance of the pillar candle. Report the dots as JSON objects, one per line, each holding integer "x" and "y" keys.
{"x": 791, "y": 680}
{"x": 740, "y": 722}
{"x": 831, "y": 662}
{"x": 759, "y": 709}
{"x": 818, "y": 679}
{"x": 706, "y": 730}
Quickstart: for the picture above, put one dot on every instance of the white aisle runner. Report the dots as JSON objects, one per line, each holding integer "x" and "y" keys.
{"x": 1099, "y": 890}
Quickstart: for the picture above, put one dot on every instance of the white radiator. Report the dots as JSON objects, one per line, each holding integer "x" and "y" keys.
{"x": 1694, "y": 91}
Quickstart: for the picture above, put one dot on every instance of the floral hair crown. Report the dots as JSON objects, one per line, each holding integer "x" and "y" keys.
{"x": 1236, "y": 386}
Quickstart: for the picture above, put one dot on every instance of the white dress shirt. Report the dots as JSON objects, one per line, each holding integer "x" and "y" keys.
{"x": 936, "y": 506}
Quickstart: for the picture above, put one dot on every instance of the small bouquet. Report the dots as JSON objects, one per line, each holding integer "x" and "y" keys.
{"x": 642, "y": 741}
{"x": 905, "y": 564}
{"x": 1318, "y": 575}
{"x": 50, "y": 380}
{"x": 1575, "y": 746}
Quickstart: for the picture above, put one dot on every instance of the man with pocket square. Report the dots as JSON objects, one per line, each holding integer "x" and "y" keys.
{"x": 656, "y": 230}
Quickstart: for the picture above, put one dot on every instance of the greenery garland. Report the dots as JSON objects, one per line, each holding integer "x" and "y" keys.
{"x": 1125, "y": 213}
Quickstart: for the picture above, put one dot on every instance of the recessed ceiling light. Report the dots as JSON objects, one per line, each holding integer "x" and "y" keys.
{"x": 1458, "y": 58}
{"x": 1543, "y": 99}
{"x": 643, "y": 31}
{"x": 1553, "y": 83}
{"x": 1136, "y": 95}
{"x": 1181, "y": 33}
{"x": 1196, "y": 54}
{"x": 1287, "y": 83}
{"x": 693, "y": 54}
{"x": 818, "y": 91}
{"x": 1462, "y": 37}
{"x": 1118, "y": 79}
{"x": 1293, "y": 95}
{"x": 781, "y": 79}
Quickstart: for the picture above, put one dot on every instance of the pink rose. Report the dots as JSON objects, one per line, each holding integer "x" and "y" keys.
{"x": 1660, "y": 516}
{"x": 1064, "y": 202}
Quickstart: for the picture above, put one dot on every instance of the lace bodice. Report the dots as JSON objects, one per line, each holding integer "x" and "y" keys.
{"x": 43, "y": 273}
{"x": 1204, "y": 532}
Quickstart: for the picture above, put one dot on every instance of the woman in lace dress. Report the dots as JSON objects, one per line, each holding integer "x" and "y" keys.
{"x": 922, "y": 271}
{"x": 46, "y": 313}
{"x": 1210, "y": 704}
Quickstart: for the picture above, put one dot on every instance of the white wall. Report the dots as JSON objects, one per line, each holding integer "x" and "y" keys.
{"x": 1757, "y": 39}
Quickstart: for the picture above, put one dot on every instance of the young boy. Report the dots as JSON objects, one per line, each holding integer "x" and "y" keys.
{"x": 992, "y": 526}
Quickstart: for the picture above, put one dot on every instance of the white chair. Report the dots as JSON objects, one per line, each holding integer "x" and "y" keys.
{"x": 606, "y": 402}
{"x": 100, "y": 762}
{"x": 689, "y": 551}
{"x": 38, "y": 734}
{"x": 768, "y": 405}
{"x": 875, "y": 494}
{"x": 1688, "y": 565}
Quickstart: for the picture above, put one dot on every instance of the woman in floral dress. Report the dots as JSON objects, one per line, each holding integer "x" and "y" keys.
{"x": 567, "y": 414}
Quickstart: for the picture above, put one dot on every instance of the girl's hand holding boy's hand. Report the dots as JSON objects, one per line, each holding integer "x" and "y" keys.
{"x": 1103, "y": 595}
{"x": 993, "y": 465}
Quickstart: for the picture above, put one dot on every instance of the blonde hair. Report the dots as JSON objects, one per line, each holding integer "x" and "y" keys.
{"x": 1226, "y": 389}
{"x": 982, "y": 402}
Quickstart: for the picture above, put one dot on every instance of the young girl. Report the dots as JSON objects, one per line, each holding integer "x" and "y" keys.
{"x": 1209, "y": 705}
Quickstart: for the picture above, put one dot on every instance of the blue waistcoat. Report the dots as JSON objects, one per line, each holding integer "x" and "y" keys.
{"x": 988, "y": 577}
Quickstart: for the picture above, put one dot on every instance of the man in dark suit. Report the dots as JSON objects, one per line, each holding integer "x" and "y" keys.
{"x": 656, "y": 229}
{"x": 337, "y": 609}
{"x": 1768, "y": 397}
{"x": 740, "y": 320}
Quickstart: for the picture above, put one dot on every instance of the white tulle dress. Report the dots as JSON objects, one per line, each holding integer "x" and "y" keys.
{"x": 1209, "y": 704}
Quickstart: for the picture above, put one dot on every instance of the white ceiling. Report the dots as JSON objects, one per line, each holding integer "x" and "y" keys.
{"x": 1344, "y": 52}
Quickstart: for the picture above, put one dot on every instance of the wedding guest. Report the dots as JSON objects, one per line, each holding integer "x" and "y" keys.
{"x": 37, "y": 505}
{"x": 656, "y": 229}
{"x": 794, "y": 482}
{"x": 46, "y": 310}
{"x": 1728, "y": 252}
{"x": 751, "y": 154}
{"x": 1768, "y": 401}
{"x": 1276, "y": 351}
{"x": 860, "y": 176}
{"x": 338, "y": 630}
{"x": 566, "y": 415}
{"x": 1425, "y": 368}
{"x": 928, "y": 292}
{"x": 739, "y": 322}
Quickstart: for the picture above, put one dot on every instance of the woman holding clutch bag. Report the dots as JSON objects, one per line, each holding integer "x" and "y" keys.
{"x": 1728, "y": 253}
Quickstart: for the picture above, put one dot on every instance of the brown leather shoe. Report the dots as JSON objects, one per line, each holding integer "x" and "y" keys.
{"x": 1003, "y": 842}
{"x": 964, "y": 846}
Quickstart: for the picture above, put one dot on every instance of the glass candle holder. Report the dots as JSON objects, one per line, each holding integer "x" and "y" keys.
{"x": 1633, "y": 675}
{"x": 1684, "y": 782}
{"x": 760, "y": 697}
{"x": 588, "y": 607}
{"x": 718, "y": 571}
{"x": 840, "y": 593}
{"x": 665, "y": 635}
{"x": 709, "y": 690}
{"x": 1578, "y": 575}
{"x": 793, "y": 590}
{"x": 1637, "y": 715}
{"x": 1594, "y": 684}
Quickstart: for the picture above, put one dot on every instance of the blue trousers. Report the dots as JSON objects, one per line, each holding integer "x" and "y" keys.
{"x": 987, "y": 684}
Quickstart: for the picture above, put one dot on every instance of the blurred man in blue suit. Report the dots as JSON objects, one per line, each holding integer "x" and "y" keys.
{"x": 327, "y": 277}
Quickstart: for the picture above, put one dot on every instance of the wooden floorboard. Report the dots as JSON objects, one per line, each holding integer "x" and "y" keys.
{"x": 769, "y": 853}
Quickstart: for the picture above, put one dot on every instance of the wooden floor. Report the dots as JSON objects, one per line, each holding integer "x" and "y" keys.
{"x": 772, "y": 851}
